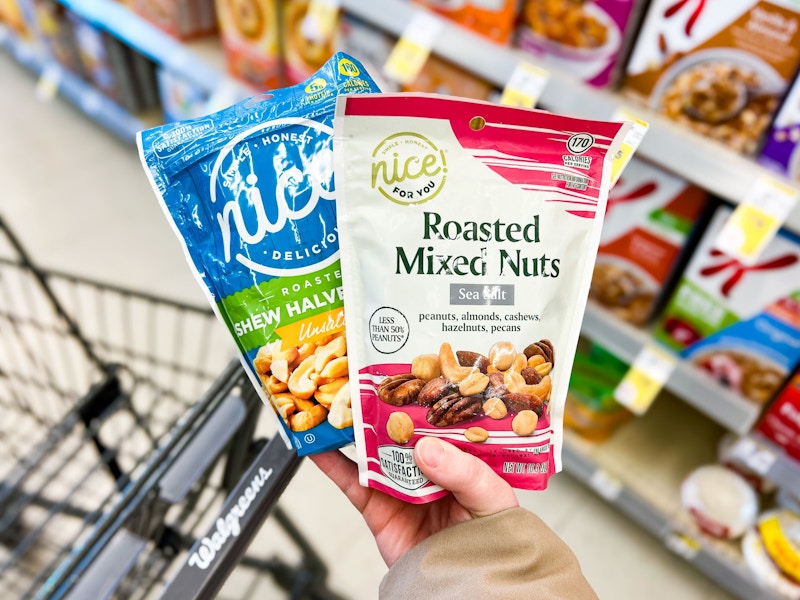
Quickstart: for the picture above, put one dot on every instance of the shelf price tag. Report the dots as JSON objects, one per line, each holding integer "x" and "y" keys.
{"x": 320, "y": 20}
{"x": 629, "y": 144}
{"x": 50, "y": 79}
{"x": 606, "y": 484}
{"x": 645, "y": 379}
{"x": 525, "y": 86}
{"x": 413, "y": 48}
{"x": 682, "y": 544}
{"x": 753, "y": 455}
{"x": 757, "y": 219}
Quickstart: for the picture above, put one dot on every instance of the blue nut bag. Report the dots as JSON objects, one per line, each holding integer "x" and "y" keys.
{"x": 250, "y": 193}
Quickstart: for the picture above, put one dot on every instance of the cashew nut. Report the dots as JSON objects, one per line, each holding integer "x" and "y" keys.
{"x": 280, "y": 370}
{"x": 516, "y": 385}
{"x": 326, "y": 393}
{"x": 300, "y": 383}
{"x": 450, "y": 367}
{"x": 308, "y": 419}
{"x": 275, "y": 385}
{"x": 340, "y": 414}
{"x": 336, "y": 348}
{"x": 335, "y": 368}
{"x": 284, "y": 404}
{"x": 519, "y": 363}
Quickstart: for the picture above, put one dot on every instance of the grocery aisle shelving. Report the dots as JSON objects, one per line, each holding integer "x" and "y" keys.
{"x": 73, "y": 89}
{"x": 633, "y": 472}
{"x": 693, "y": 157}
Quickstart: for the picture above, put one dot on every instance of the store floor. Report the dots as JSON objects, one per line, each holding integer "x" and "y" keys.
{"x": 78, "y": 198}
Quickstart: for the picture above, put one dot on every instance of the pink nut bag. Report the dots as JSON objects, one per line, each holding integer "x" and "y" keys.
{"x": 468, "y": 234}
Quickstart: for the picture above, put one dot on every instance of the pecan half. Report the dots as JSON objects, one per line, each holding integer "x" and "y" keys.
{"x": 473, "y": 359}
{"x": 542, "y": 347}
{"x": 453, "y": 409}
{"x": 496, "y": 387}
{"x": 436, "y": 389}
{"x": 399, "y": 390}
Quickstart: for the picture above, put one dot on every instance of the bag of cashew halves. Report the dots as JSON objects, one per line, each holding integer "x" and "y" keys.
{"x": 249, "y": 192}
{"x": 468, "y": 236}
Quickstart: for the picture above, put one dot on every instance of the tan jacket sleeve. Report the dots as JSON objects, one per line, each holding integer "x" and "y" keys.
{"x": 512, "y": 554}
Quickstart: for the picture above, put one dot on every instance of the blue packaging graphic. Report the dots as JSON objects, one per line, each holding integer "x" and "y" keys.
{"x": 250, "y": 194}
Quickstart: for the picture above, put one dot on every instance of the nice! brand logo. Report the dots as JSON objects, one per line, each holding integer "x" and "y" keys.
{"x": 408, "y": 168}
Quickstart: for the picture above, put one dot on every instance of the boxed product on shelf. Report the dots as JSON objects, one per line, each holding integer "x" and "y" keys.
{"x": 493, "y": 19}
{"x": 302, "y": 56}
{"x": 250, "y": 37}
{"x": 55, "y": 28}
{"x": 591, "y": 409}
{"x": 650, "y": 215}
{"x": 180, "y": 98}
{"x": 781, "y": 151}
{"x": 781, "y": 422}
{"x": 583, "y": 39}
{"x": 719, "y": 67}
{"x": 738, "y": 323}
{"x": 108, "y": 64}
{"x": 180, "y": 18}
{"x": 17, "y": 15}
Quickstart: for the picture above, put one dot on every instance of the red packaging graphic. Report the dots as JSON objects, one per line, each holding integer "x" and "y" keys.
{"x": 650, "y": 214}
{"x": 781, "y": 423}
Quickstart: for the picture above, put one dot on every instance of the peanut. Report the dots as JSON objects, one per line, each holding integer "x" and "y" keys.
{"x": 474, "y": 384}
{"x": 400, "y": 427}
{"x": 476, "y": 434}
{"x": 524, "y": 424}
{"x": 544, "y": 368}
{"x": 495, "y": 408}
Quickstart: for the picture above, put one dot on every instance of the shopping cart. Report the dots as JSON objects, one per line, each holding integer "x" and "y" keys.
{"x": 133, "y": 462}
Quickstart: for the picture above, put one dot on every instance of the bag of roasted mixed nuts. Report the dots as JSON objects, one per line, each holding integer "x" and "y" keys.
{"x": 468, "y": 236}
{"x": 249, "y": 191}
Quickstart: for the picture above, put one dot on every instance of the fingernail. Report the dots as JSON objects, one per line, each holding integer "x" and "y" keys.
{"x": 429, "y": 450}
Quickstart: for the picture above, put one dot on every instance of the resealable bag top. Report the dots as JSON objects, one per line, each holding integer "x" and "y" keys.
{"x": 250, "y": 194}
{"x": 468, "y": 236}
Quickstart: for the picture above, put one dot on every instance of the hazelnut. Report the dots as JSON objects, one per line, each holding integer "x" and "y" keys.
{"x": 495, "y": 408}
{"x": 476, "y": 434}
{"x": 426, "y": 367}
{"x": 524, "y": 424}
{"x": 501, "y": 355}
{"x": 400, "y": 427}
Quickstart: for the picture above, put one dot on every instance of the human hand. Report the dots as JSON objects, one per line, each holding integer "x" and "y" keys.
{"x": 398, "y": 526}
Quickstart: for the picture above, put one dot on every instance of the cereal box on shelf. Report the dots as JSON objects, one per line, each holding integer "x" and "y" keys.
{"x": 180, "y": 18}
{"x": 719, "y": 67}
{"x": 493, "y": 19}
{"x": 55, "y": 28}
{"x": 781, "y": 423}
{"x": 650, "y": 214}
{"x": 249, "y": 32}
{"x": 302, "y": 55}
{"x": 738, "y": 323}
{"x": 780, "y": 152}
{"x": 583, "y": 39}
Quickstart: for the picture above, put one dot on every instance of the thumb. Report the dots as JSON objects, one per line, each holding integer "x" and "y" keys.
{"x": 473, "y": 483}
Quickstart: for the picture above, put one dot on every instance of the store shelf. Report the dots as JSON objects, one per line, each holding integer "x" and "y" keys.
{"x": 697, "y": 159}
{"x": 760, "y": 455}
{"x": 72, "y": 88}
{"x": 634, "y": 473}
{"x": 192, "y": 61}
{"x": 695, "y": 388}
